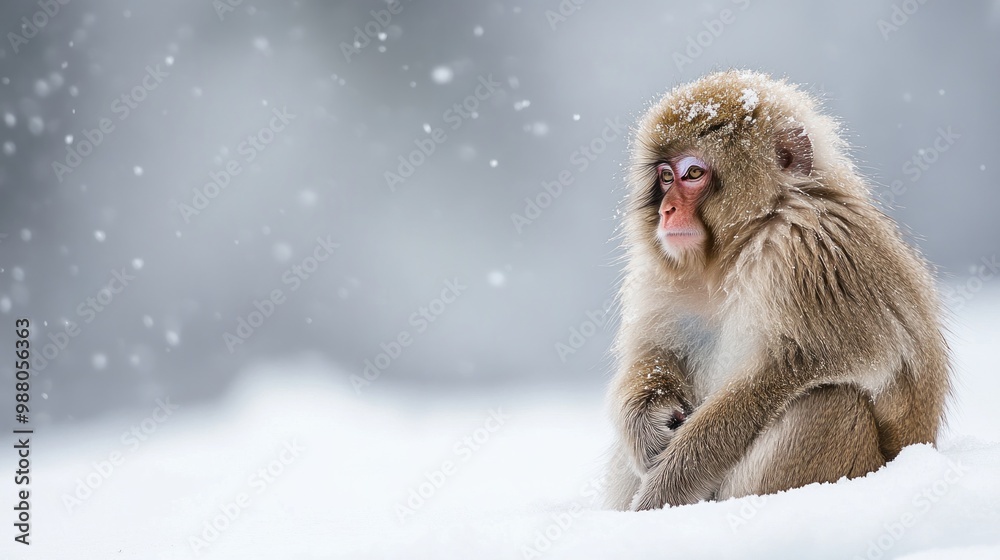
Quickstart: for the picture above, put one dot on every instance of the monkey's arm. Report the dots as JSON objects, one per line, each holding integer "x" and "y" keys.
{"x": 650, "y": 403}
{"x": 727, "y": 423}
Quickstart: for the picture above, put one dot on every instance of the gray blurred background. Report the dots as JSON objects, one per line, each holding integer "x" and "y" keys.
{"x": 214, "y": 73}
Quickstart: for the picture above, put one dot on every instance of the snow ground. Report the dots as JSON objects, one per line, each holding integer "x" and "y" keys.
{"x": 342, "y": 465}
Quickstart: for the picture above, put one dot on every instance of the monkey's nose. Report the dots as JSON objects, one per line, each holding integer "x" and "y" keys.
{"x": 665, "y": 214}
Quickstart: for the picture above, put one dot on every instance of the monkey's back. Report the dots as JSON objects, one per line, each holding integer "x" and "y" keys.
{"x": 850, "y": 296}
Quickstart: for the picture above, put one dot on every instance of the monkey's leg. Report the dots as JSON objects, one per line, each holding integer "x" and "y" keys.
{"x": 649, "y": 405}
{"x": 622, "y": 481}
{"x": 828, "y": 433}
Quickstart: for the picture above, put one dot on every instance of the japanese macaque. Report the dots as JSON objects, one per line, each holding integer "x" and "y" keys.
{"x": 776, "y": 330}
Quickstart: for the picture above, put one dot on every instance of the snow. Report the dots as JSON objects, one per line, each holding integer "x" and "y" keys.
{"x": 710, "y": 110}
{"x": 306, "y": 468}
{"x": 282, "y": 252}
{"x": 36, "y": 125}
{"x": 172, "y": 337}
{"x": 749, "y": 99}
{"x": 497, "y": 278}
{"x": 442, "y": 74}
{"x": 99, "y": 361}
{"x": 538, "y": 128}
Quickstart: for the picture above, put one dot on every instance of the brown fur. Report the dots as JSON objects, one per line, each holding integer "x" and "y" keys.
{"x": 805, "y": 335}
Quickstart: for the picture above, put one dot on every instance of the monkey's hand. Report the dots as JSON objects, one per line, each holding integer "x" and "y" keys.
{"x": 669, "y": 483}
{"x": 650, "y": 409}
{"x": 712, "y": 440}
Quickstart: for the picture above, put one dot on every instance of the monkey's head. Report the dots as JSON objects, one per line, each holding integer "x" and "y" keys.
{"x": 712, "y": 159}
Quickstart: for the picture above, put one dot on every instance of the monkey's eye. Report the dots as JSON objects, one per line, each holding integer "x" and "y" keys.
{"x": 666, "y": 175}
{"x": 694, "y": 173}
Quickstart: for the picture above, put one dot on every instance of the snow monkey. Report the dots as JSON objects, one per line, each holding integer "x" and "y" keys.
{"x": 776, "y": 330}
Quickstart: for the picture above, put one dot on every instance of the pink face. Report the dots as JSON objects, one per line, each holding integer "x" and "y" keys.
{"x": 682, "y": 180}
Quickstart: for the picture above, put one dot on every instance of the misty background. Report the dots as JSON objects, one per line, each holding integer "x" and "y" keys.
{"x": 314, "y": 115}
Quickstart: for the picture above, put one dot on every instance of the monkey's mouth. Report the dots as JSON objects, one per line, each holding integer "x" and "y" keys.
{"x": 677, "y": 242}
{"x": 674, "y": 233}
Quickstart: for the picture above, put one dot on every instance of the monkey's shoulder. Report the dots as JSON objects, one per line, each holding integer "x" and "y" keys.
{"x": 841, "y": 267}
{"x": 814, "y": 238}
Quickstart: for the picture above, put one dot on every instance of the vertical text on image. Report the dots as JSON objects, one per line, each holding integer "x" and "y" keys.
{"x": 22, "y": 396}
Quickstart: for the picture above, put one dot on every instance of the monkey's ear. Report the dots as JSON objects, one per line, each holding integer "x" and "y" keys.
{"x": 794, "y": 151}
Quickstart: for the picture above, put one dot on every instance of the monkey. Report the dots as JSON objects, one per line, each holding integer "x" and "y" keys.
{"x": 775, "y": 328}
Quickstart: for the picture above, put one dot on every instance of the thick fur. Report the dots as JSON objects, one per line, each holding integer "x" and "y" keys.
{"x": 801, "y": 345}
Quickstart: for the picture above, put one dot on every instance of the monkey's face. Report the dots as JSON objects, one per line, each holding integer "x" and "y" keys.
{"x": 712, "y": 160}
{"x": 682, "y": 182}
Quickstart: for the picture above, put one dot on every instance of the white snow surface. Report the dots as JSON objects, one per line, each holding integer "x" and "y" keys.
{"x": 527, "y": 490}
